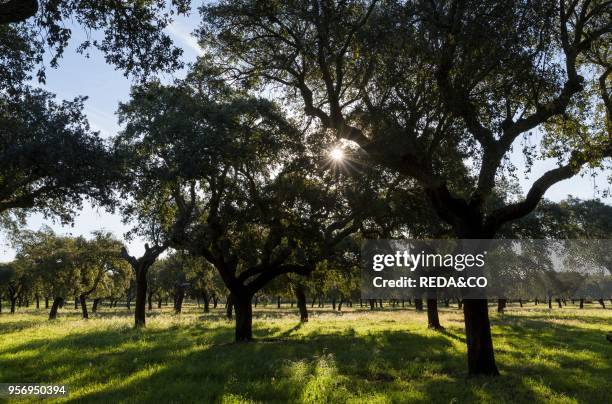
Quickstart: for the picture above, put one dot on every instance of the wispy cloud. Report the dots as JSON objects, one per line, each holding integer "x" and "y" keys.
{"x": 185, "y": 37}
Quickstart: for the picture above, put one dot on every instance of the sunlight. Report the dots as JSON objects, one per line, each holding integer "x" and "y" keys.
{"x": 336, "y": 154}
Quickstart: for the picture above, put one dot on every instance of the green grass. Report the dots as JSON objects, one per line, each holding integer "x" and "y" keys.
{"x": 355, "y": 356}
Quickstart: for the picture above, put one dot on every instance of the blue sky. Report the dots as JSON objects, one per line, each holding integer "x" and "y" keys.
{"x": 106, "y": 87}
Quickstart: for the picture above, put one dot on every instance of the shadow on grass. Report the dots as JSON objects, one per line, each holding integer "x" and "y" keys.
{"x": 307, "y": 362}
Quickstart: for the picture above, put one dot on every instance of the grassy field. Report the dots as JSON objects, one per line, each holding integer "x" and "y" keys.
{"x": 558, "y": 356}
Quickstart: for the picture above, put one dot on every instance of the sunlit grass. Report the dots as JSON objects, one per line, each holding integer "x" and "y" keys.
{"x": 354, "y": 356}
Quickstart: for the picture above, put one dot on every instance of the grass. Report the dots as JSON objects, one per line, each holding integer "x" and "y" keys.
{"x": 356, "y": 356}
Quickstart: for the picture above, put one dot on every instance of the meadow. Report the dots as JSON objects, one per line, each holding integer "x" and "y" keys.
{"x": 357, "y": 355}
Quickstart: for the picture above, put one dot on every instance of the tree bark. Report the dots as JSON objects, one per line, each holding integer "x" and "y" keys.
{"x": 229, "y": 303}
{"x": 83, "y": 300}
{"x": 481, "y": 358}
{"x": 301, "y": 302}
{"x": 433, "y": 320}
{"x": 141, "y": 297}
{"x": 418, "y": 304}
{"x": 244, "y": 318}
{"x": 206, "y": 299}
{"x": 96, "y": 302}
{"x": 501, "y": 305}
{"x": 13, "y": 301}
{"x": 57, "y": 302}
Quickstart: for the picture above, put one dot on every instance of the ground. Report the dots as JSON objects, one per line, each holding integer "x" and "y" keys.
{"x": 358, "y": 356}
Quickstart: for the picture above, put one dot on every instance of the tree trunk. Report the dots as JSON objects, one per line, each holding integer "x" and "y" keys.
{"x": 37, "y": 298}
{"x": 215, "y": 301}
{"x": 57, "y": 302}
{"x": 159, "y": 303}
{"x": 229, "y": 303}
{"x": 244, "y": 318}
{"x": 150, "y": 300}
{"x": 372, "y": 304}
{"x": 340, "y": 305}
{"x": 206, "y": 299}
{"x": 83, "y": 300}
{"x": 582, "y": 303}
{"x": 460, "y": 304}
{"x": 141, "y": 297}
{"x": 13, "y": 304}
{"x": 521, "y": 302}
{"x": 559, "y": 303}
{"x": 96, "y": 302}
{"x": 301, "y": 302}
{"x": 334, "y": 303}
{"x": 501, "y": 305}
{"x": 278, "y": 302}
{"x": 178, "y": 301}
{"x": 433, "y": 321}
{"x": 418, "y": 304}
{"x": 550, "y": 303}
{"x": 46, "y": 302}
{"x": 481, "y": 358}
{"x": 601, "y": 302}
{"x": 76, "y": 302}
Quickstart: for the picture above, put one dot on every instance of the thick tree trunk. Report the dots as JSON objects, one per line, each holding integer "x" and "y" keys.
{"x": 433, "y": 321}
{"x": 57, "y": 302}
{"x": 481, "y": 358}
{"x": 141, "y": 297}
{"x": 301, "y": 302}
{"x": 83, "y": 300}
{"x": 244, "y": 318}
